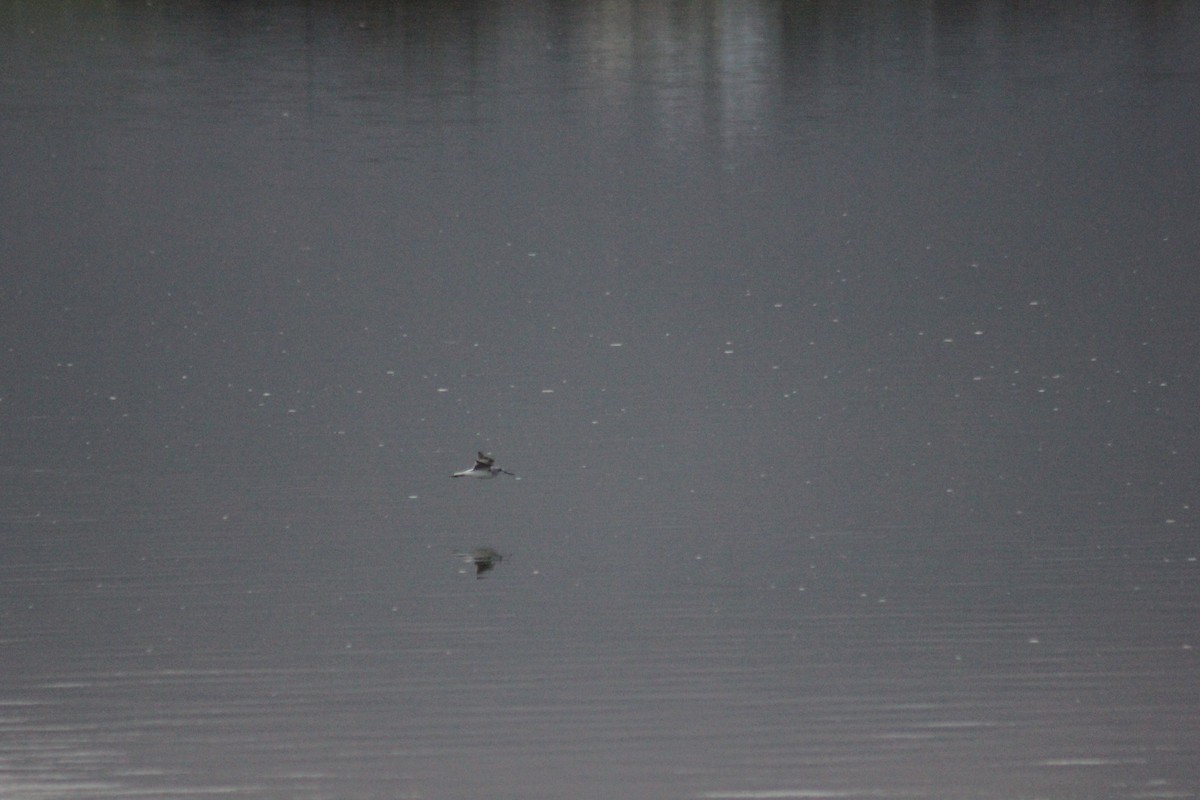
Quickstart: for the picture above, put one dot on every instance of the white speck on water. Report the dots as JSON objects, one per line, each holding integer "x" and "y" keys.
{"x": 442, "y": 389}
{"x": 547, "y": 391}
{"x": 616, "y": 344}
{"x": 412, "y": 497}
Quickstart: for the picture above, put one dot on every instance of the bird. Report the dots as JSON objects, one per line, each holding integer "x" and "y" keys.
{"x": 484, "y": 558}
{"x": 485, "y": 467}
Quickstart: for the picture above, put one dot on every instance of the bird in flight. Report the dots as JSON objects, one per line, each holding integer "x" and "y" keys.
{"x": 485, "y": 467}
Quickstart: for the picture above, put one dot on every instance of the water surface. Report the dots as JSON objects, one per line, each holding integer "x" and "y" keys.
{"x": 845, "y": 352}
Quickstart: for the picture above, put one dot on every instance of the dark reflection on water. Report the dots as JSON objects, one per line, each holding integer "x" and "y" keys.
{"x": 845, "y": 352}
{"x": 861, "y": 663}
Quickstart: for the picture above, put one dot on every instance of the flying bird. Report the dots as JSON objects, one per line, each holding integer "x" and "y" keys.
{"x": 485, "y": 467}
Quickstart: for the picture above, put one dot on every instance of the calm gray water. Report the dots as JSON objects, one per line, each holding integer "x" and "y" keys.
{"x": 846, "y": 354}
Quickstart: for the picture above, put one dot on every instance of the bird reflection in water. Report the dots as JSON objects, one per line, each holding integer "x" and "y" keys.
{"x": 485, "y": 559}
